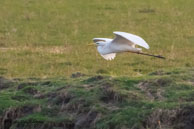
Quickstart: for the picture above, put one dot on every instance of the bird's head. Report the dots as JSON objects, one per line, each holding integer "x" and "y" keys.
{"x": 100, "y": 43}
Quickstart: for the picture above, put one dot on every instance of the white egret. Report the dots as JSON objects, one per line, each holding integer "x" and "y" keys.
{"x": 123, "y": 42}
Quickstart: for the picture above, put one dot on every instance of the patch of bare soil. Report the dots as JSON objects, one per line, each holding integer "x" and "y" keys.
{"x": 182, "y": 118}
{"x": 153, "y": 88}
{"x": 77, "y": 75}
{"x": 26, "y": 84}
{"x": 5, "y": 83}
{"x": 109, "y": 95}
{"x": 30, "y": 90}
{"x": 80, "y": 109}
{"x": 95, "y": 78}
{"x": 62, "y": 98}
{"x": 10, "y": 115}
{"x": 87, "y": 120}
{"x": 160, "y": 72}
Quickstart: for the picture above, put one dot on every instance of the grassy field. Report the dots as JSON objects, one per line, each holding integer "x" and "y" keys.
{"x": 48, "y": 38}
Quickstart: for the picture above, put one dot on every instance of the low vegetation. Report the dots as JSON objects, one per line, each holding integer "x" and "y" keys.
{"x": 162, "y": 99}
{"x": 42, "y": 42}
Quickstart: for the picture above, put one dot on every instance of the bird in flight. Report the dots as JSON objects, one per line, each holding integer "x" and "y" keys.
{"x": 123, "y": 42}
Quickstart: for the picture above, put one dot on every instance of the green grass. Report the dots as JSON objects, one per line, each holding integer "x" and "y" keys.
{"x": 119, "y": 101}
{"x": 44, "y": 39}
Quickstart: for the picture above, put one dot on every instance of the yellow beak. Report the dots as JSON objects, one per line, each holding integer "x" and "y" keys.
{"x": 90, "y": 44}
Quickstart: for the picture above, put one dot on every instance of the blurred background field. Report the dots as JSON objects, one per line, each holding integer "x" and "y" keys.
{"x": 48, "y": 38}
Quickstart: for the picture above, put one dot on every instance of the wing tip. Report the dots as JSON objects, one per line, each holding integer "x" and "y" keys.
{"x": 117, "y": 32}
{"x": 147, "y": 46}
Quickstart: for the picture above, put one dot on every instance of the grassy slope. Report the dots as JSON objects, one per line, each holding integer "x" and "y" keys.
{"x": 101, "y": 102}
{"x": 41, "y": 38}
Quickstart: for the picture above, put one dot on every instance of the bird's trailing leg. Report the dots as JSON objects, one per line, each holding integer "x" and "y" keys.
{"x": 157, "y": 56}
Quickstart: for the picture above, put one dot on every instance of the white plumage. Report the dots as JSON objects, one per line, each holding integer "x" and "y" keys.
{"x": 123, "y": 42}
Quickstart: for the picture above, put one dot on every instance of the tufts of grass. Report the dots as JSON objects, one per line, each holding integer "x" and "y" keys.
{"x": 101, "y": 102}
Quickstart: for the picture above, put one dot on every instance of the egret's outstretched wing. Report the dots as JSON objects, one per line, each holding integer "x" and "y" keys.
{"x": 102, "y": 39}
{"x": 110, "y": 56}
{"x": 131, "y": 39}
